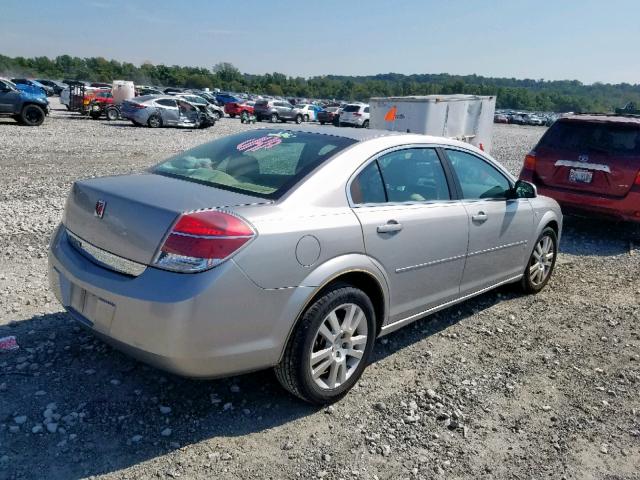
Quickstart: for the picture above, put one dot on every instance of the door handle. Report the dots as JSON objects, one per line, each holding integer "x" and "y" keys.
{"x": 480, "y": 217}
{"x": 390, "y": 227}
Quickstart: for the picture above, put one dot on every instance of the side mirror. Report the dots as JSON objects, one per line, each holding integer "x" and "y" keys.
{"x": 524, "y": 189}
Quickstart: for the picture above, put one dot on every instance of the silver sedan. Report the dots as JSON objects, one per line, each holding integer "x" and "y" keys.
{"x": 294, "y": 248}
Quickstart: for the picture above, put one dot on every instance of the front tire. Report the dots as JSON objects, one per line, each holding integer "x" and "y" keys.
{"x": 541, "y": 262}
{"x": 365, "y": 124}
{"x": 299, "y": 119}
{"x": 274, "y": 118}
{"x": 232, "y": 115}
{"x": 32, "y": 116}
{"x": 330, "y": 347}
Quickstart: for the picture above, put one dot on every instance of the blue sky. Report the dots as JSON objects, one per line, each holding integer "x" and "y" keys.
{"x": 588, "y": 40}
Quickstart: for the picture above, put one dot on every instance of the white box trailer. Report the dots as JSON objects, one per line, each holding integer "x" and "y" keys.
{"x": 464, "y": 117}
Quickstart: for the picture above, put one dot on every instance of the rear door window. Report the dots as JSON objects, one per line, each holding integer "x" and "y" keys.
{"x": 263, "y": 162}
{"x": 166, "y": 102}
{"x": 414, "y": 175}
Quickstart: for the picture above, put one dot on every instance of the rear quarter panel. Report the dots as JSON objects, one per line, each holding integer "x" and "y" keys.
{"x": 292, "y": 243}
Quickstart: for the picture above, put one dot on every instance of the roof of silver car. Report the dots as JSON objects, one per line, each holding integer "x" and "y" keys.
{"x": 358, "y": 134}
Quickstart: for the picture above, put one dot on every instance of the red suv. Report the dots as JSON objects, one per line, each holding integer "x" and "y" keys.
{"x": 234, "y": 108}
{"x": 589, "y": 164}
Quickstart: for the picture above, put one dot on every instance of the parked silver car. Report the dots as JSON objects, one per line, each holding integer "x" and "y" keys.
{"x": 166, "y": 111}
{"x": 277, "y": 111}
{"x": 294, "y": 249}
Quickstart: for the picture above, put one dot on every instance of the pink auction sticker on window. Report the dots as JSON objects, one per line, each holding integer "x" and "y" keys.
{"x": 8, "y": 343}
{"x": 261, "y": 143}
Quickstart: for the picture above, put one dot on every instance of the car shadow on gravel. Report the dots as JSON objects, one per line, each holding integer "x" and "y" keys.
{"x": 437, "y": 323}
{"x": 594, "y": 236}
{"x": 91, "y": 410}
{"x": 112, "y": 412}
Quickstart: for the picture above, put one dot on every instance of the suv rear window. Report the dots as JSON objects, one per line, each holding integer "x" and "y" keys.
{"x": 352, "y": 108}
{"x": 265, "y": 163}
{"x": 594, "y": 137}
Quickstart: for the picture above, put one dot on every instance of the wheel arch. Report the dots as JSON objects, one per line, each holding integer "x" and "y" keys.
{"x": 366, "y": 276}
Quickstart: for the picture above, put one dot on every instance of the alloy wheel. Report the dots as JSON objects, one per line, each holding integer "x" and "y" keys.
{"x": 541, "y": 260}
{"x": 339, "y": 346}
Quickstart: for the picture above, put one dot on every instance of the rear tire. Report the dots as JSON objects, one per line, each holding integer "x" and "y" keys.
{"x": 541, "y": 262}
{"x": 32, "y": 116}
{"x": 154, "y": 121}
{"x": 365, "y": 124}
{"x": 112, "y": 113}
{"x": 274, "y": 118}
{"x": 232, "y": 115}
{"x": 299, "y": 119}
{"x": 306, "y": 118}
{"x": 321, "y": 123}
{"x": 342, "y": 359}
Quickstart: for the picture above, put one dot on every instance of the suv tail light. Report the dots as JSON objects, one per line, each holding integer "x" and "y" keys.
{"x": 357, "y": 114}
{"x": 201, "y": 240}
{"x": 637, "y": 182}
{"x": 138, "y": 106}
{"x": 530, "y": 161}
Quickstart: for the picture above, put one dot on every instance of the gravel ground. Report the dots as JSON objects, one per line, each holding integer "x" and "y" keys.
{"x": 502, "y": 386}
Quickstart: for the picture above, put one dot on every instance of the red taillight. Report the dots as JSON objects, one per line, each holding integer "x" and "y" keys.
{"x": 637, "y": 182}
{"x": 202, "y": 240}
{"x": 357, "y": 114}
{"x": 138, "y": 106}
{"x": 530, "y": 161}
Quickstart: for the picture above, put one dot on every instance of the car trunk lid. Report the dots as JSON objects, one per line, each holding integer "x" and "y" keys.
{"x": 130, "y": 215}
{"x": 593, "y": 157}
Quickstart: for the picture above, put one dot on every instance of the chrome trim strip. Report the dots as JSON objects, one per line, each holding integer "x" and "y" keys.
{"x": 103, "y": 258}
{"x": 458, "y": 257}
{"x": 429, "y": 264}
{"x": 401, "y": 323}
{"x": 499, "y": 247}
{"x": 210, "y": 237}
{"x": 587, "y": 166}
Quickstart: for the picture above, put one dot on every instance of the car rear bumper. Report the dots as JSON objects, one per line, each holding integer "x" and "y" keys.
{"x": 626, "y": 208}
{"x": 351, "y": 121}
{"x": 205, "y": 325}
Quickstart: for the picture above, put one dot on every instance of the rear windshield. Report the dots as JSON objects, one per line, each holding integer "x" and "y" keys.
{"x": 352, "y": 108}
{"x": 264, "y": 162}
{"x": 593, "y": 137}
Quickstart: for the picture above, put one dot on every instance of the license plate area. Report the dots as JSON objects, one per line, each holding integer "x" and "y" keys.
{"x": 91, "y": 310}
{"x": 580, "y": 176}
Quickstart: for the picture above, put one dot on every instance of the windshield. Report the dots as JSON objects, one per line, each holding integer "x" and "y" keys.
{"x": 265, "y": 162}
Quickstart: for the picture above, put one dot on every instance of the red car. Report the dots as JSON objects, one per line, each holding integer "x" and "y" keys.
{"x": 590, "y": 164}
{"x": 234, "y": 108}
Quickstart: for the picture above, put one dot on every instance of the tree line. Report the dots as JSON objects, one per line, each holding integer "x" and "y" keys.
{"x": 520, "y": 94}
